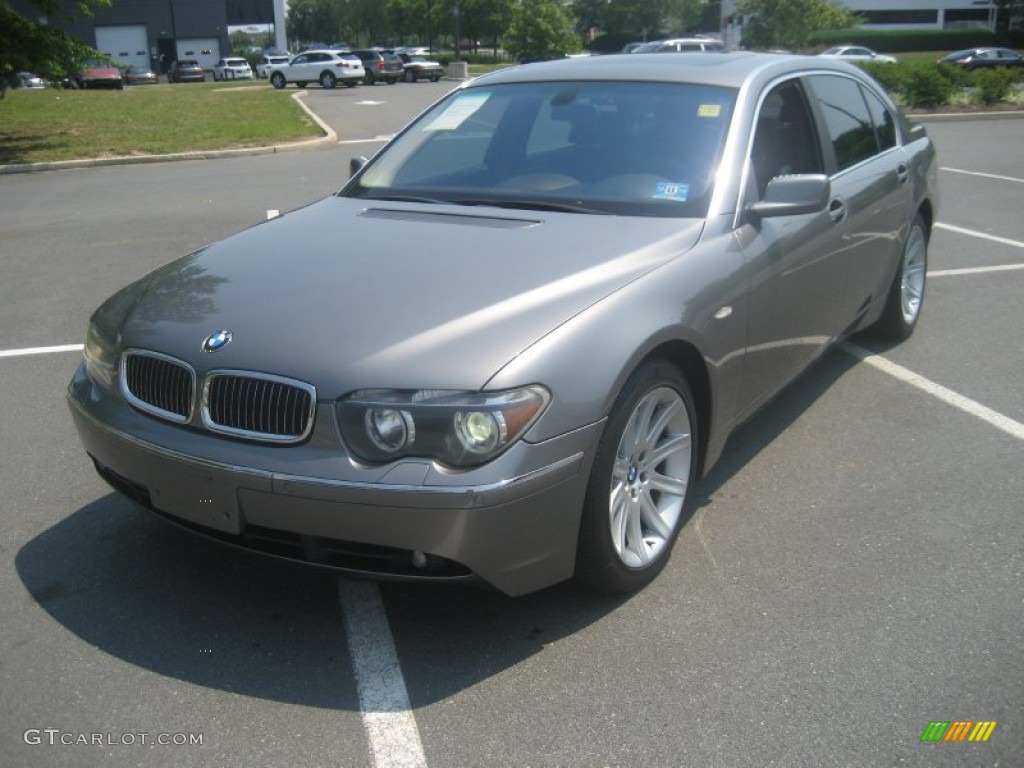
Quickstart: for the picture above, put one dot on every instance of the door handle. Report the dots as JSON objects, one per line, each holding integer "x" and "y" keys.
{"x": 902, "y": 173}
{"x": 837, "y": 209}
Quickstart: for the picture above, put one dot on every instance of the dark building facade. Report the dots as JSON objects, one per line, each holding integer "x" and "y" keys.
{"x": 154, "y": 33}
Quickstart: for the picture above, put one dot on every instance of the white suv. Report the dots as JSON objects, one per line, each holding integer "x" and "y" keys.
{"x": 269, "y": 60}
{"x": 325, "y": 67}
{"x": 234, "y": 68}
{"x": 675, "y": 45}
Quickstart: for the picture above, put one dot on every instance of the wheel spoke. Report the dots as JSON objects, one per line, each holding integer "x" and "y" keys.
{"x": 643, "y": 420}
{"x": 662, "y": 421}
{"x": 670, "y": 446}
{"x": 635, "y": 536}
{"x": 650, "y": 515}
{"x": 670, "y": 485}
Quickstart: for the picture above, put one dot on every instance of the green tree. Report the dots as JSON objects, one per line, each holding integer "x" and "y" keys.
{"x": 643, "y": 19}
{"x": 540, "y": 29}
{"x": 312, "y": 20}
{"x": 789, "y": 23}
{"x": 28, "y": 45}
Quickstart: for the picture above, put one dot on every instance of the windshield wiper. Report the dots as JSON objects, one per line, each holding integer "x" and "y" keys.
{"x": 404, "y": 199}
{"x": 532, "y": 205}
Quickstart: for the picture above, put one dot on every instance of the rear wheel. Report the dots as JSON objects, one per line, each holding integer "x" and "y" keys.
{"x": 327, "y": 80}
{"x": 435, "y": 78}
{"x": 370, "y": 78}
{"x": 277, "y": 80}
{"x": 906, "y": 294}
{"x": 637, "y": 495}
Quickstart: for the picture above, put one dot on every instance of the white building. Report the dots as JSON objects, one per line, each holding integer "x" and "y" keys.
{"x": 892, "y": 14}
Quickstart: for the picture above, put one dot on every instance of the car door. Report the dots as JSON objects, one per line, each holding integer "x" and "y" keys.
{"x": 795, "y": 264}
{"x": 298, "y": 70}
{"x": 869, "y": 176}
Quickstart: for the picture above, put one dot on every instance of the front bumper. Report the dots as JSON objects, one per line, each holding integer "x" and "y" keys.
{"x": 517, "y": 534}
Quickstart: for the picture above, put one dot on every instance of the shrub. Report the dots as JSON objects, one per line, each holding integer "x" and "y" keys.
{"x": 994, "y": 84}
{"x": 926, "y": 85}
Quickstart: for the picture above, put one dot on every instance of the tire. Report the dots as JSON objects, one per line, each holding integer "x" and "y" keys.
{"x": 638, "y": 492}
{"x": 277, "y": 80}
{"x": 435, "y": 78}
{"x": 328, "y": 80}
{"x": 350, "y": 83}
{"x": 370, "y": 78}
{"x": 392, "y": 80}
{"x": 906, "y": 294}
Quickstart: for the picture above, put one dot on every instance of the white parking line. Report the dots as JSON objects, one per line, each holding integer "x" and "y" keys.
{"x": 948, "y": 396}
{"x": 40, "y": 350}
{"x": 383, "y": 700}
{"x": 983, "y": 175}
{"x": 976, "y": 233}
{"x": 973, "y": 270}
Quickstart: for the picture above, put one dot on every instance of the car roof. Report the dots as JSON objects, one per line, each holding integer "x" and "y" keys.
{"x": 729, "y": 70}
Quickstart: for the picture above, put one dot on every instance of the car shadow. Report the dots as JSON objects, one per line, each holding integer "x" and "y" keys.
{"x": 144, "y": 591}
{"x": 168, "y": 601}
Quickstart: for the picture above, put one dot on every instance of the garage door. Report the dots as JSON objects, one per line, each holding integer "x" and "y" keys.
{"x": 205, "y": 50}
{"x": 127, "y": 44}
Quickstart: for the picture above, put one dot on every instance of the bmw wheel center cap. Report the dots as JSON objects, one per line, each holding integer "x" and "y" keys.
{"x": 217, "y": 340}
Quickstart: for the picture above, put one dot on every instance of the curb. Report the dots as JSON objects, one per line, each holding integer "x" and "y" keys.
{"x": 329, "y": 137}
{"x": 954, "y": 117}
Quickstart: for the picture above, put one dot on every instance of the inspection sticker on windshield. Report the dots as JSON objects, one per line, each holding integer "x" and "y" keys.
{"x": 668, "y": 191}
{"x": 709, "y": 110}
{"x": 461, "y": 108}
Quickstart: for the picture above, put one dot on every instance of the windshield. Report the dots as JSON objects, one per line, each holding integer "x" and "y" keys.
{"x": 635, "y": 149}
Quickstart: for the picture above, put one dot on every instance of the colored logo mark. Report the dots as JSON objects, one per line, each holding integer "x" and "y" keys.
{"x": 216, "y": 341}
{"x": 958, "y": 730}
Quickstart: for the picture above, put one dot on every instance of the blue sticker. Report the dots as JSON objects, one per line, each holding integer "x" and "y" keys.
{"x": 667, "y": 190}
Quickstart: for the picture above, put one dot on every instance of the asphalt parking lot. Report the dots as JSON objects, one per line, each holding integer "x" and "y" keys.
{"x": 855, "y": 569}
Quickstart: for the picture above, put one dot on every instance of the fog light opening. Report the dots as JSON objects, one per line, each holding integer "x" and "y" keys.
{"x": 420, "y": 560}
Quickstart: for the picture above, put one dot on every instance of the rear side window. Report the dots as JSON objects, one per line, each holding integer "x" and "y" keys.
{"x": 850, "y": 126}
{"x": 885, "y": 124}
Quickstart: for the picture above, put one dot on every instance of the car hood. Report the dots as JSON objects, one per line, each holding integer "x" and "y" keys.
{"x": 349, "y": 294}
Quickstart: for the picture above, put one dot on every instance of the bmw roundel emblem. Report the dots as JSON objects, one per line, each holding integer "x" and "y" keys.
{"x": 217, "y": 340}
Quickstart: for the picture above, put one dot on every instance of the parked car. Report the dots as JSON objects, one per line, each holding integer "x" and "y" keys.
{"x": 380, "y": 65}
{"x": 31, "y": 80}
{"x": 857, "y": 53}
{"x": 978, "y": 58}
{"x": 325, "y": 67}
{"x": 419, "y": 68}
{"x": 681, "y": 45}
{"x": 269, "y": 60}
{"x": 186, "y": 71}
{"x": 99, "y": 74}
{"x": 633, "y": 254}
{"x": 139, "y": 75}
{"x": 233, "y": 68}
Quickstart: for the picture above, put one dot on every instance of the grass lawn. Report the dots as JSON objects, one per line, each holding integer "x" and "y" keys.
{"x": 46, "y": 125}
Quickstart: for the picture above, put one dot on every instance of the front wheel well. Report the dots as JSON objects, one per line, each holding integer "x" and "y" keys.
{"x": 690, "y": 363}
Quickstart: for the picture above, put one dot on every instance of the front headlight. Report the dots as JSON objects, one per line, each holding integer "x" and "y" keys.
{"x": 100, "y": 359}
{"x": 456, "y": 429}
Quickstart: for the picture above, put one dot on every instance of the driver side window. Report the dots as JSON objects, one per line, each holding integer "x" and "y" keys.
{"x": 784, "y": 138}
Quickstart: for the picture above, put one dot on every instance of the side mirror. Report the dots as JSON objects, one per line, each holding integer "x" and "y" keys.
{"x": 793, "y": 195}
{"x": 356, "y": 164}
